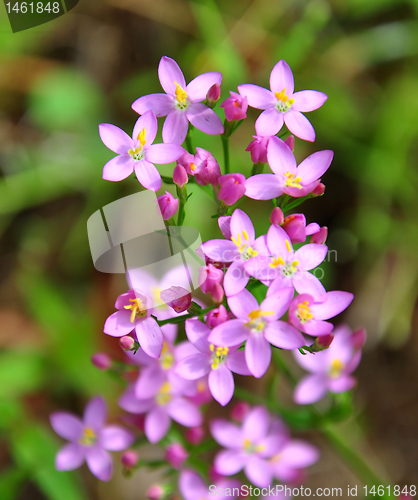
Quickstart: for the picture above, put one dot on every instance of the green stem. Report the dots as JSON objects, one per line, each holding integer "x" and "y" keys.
{"x": 182, "y": 194}
{"x": 257, "y": 168}
{"x": 181, "y": 319}
{"x": 295, "y": 203}
{"x": 225, "y": 146}
{"x": 189, "y": 144}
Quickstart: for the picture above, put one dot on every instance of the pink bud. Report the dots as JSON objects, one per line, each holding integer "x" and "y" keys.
{"x": 320, "y": 236}
{"x": 235, "y": 107}
{"x": 177, "y": 298}
{"x": 213, "y": 95}
{"x": 129, "y": 459}
{"x": 208, "y": 171}
{"x": 232, "y": 188}
{"x": 358, "y": 339}
{"x": 258, "y": 149}
{"x": 323, "y": 342}
{"x": 290, "y": 141}
{"x": 168, "y": 205}
{"x": 175, "y": 455}
{"x": 156, "y": 492}
{"x": 217, "y": 293}
{"x": 101, "y": 361}
{"x": 319, "y": 190}
{"x": 277, "y": 216}
{"x": 127, "y": 343}
{"x": 180, "y": 176}
{"x": 214, "y": 476}
{"x": 208, "y": 276}
{"x": 239, "y": 411}
{"x": 295, "y": 225}
{"x": 195, "y": 435}
{"x": 224, "y": 224}
{"x": 217, "y": 316}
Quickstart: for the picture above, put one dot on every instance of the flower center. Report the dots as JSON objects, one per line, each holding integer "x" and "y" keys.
{"x": 257, "y": 323}
{"x": 250, "y": 447}
{"x": 138, "y": 153}
{"x": 181, "y": 97}
{"x": 304, "y": 312}
{"x": 88, "y": 438}
{"x": 336, "y": 368}
{"x": 138, "y": 309}
{"x": 164, "y": 394}
{"x": 292, "y": 180}
{"x": 218, "y": 356}
{"x": 283, "y": 102}
{"x": 245, "y": 250}
{"x": 166, "y": 358}
{"x": 290, "y": 268}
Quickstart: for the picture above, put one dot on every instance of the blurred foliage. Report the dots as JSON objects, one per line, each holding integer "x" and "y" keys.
{"x": 59, "y": 81}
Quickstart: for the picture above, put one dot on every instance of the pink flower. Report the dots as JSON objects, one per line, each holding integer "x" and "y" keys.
{"x": 89, "y": 440}
{"x": 239, "y": 411}
{"x": 178, "y": 298}
{"x": 288, "y": 178}
{"x": 235, "y": 107}
{"x": 217, "y": 316}
{"x": 175, "y": 454}
{"x": 218, "y": 362}
{"x": 297, "y": 230}
{"x": 258, "y": 326}
{"x": 168, "y": 205}
{"x": 138, "y": 153}
{"x": 330, "y": 370}
{"x": 258, "y": 149}
{"x": 195, "y": 435}
{"x": 101, "y": 361}
{"x": 320, "y": 236}
{"x": 203, "y": 166}
{"x": 129, "y": 459}
{"x": 134, "y": 313}
{"x": 232, "y": 188}
{"x": 193, "y": 487}
{"x": 181, "y": 104}
{"x": 281, "y": 105}
{"x": 209, "y": 276}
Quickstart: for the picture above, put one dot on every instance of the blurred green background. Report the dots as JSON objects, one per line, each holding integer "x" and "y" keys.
{"x": 59, "y": 81}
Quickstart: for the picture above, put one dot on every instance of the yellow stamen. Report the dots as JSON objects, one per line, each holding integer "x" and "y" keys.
{"x": 218, "y": 355}
{"x": 336, "y": 367}
{"x": 289, "y": 248}
{"x": 166, "y": 358}
{"x": 141, "y": 138}
{"x": 292, "y": 180}
{"x": 281, "y": 96}
{"x": 259, "y": 314}
{"x": 181, "y": 94}
{"x": 245, "y": 234}
{"x": 247, "y": 444}
{"x": 89, "y": 437}
{"x": 277, "y": 261}
{"x": 163, "y": 396}
{"x": 138, "y": 308}
{"x": 193, "y": 166}
{"x": 304, "y": 312}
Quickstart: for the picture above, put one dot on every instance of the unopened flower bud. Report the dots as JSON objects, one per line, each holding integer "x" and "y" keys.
{"x": 155, "y": 492}
{"x": 101, "y": 361}
{"x": 235, "y": 107}
{"x": 295, "y": 225}
{"x": 322, "y": 342}
{"x": 168, "y": 205}
{"x": 177, "y": 298}
{"x": 180, "y": 176}
{"x": 129, "y": 459}
{"x": 290, "y": 141}
{"x": 217, "y": 316}
{"x": 195, "y": 435}
{"x": 319, "y": 190}
{"x": 320, "y": 236}
{"x": 258, "y": 149}
{"x": 358, "y": 338}
{"x": 127, "y": 343}
{"x": 217, "y": 293}
{"x": 208, "y": 171}
{"x": 239, "y": 411}
{"x": 277, "y": 216}
{"x": 232, "y": 188}
{"x": 213, "y": 95}
{"x": 208, "y": 276}
{"x": 175, "y": 455}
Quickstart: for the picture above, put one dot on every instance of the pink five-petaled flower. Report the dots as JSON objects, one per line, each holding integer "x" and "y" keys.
{"x": 168, "y": 205}
{"x": 235, "y": 107}
{"x": 330, "y": 370}
{"x": 193, "y": 487}
{"x": 181, "y": 103}
{"x": 89, "y": 439}
{"x": 241, "y": 247}
{"x": 288, "y": 178}
{"x": 137, "y": 153}
{"x": 248, "y": 447}
{"x": 258, "y": 326}
{"x": 134, "y": 312}
{"x": 219, "y": 362}
{"x": 281, "y": 105}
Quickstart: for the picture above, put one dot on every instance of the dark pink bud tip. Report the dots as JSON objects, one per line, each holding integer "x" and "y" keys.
{"x": 214, "y": 94}
{"x": 156, "y": 492}
{"x": 277, "y": 216}
{"x": 323, "y": 342}
{"x": 319, "y": 190}
{"x": 175, "y": 455}
{"x": 239, "y": 411}
{"x": 127, "y": 343}
{"x": 129, "y": 459}
{"x": 101, "y": 361}
{"x": 195, "y": 435}
{"x": 321, "y": 236}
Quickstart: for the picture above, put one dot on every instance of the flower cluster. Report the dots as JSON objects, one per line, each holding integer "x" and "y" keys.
{"x": 261, "y": 295}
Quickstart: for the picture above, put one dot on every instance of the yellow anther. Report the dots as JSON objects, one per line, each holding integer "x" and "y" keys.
{"x": 277, "y": 261}
{"x": 218, "y": 355}
{"x": 281, "y": 96}
{"x": 166, "y": 358}
{"x": 141, "y": 138}
{"x": 163, "y": 395}
{"x": 245, "y": 235}
{"x": 291, "y": 101}
{"x": 247, "y": 444}
{"x": 295, "y": 263}
{"x": 304, "y": 312}
{"x": 336, "y": 367}
{"x": 212, "y": 347}
{"x": 288, "y": 246}
{"x": 181, "y": 94}
{"x": 259, "y": 314}
{"x": 89, "y": 437}
{"x": 192, "y": 166}
{"x": 137, "y": 307}
{"x": 292, "y": 180}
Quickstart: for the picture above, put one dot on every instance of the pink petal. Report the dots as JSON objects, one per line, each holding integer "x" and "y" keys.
{"x": 163, "y": 153}
{"x": 297, "y": 454}
{"x": 99, "y": 463}
{"x": 283, "y": 335}
{"x": 229, "y": 334}
{"x": 157, "y": 424}
{"x": 240, "y": 222}
{"x": 168, "y": 73}
{"x": 264, "y": 187}
{"x": 272, "y": 444}
{"x": 95, "y": 413}
{"x": 305, "y": 282}
{"x": 259, "y": 472}
{"x": 341, "y": 384}
{"x": 259, "y": 267}
{"x": 314, "y": 363}
{"x": 199, "y": 86}
{"x": 131, "y": 404}
{"x": 315, "y": 165}
{"x": 148, "y": 175}
{"x": 118, "y": 168}
{"x": 236, "y": 278}
{"x": 224, "y": 223}
{"x": 257, "y": 354}
{"x": 192, "y": 486}
{"x": 256, "y": 424}
{"x": 299, "y": 125}
{"x": 197, "y": 332}
{"x": 243, "y": 304}
{"x": 118, "y": 324}
{"x": 276, "y": 241}
{"x": 280, "y": 157}
{"x": 335, "y": 303}
{"x": 175, "y": 127}
{"x": 281, "y": 77}
{"x": 226, "y": 434}
{"x": 66, "y": 425}
{"x": 193, "y": 367}
{"x": 310, "y": 256}
{"x": 229, "y": 462}
{"x": 278, "y": 303}
{"x": 184, "y": 412}
{"x": 150, "y": 337}
{"x": 160, "y": 104}
{"x": 116, "y": 438}
{"x": 318, "y": 328}
{"x": 147, "y": 121}
{"x": 310, "y": 389}
{"x": 269, "y": 122}
{"x": 221, "y": 384}
{"x": 70, "y": 457}
{"x": 205, "y": 119}
{"x": 258, "y": 97}
{"x": 150, "y": 380}
{"x": 220, "y": 250}
{"x": 115, "y": 138}
{"x": 308, "y": 100}
{"x": 236, "y": 362}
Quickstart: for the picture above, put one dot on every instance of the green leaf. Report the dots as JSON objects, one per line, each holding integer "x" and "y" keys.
{"x": 20, "y": 372}
{"x": 10, "y": 483}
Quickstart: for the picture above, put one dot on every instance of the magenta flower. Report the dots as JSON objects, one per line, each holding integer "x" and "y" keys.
{"x": 258, "y": 149}
{"x": 89, "y": 440}
{"x": 217, "y": 316}
{"x": 218, "y": 362}
{"x": 193, "y": 487}
{"x": 330, "y": 370}
{"x": 281, "y": 105}
{"x": 288, "y": 178}
{"x": 168, "y": 205}
{"x": 209, "y": 276}
{"x": 175, "y": 454}
{"x": 134, "y": 313}
{"x": 138, "y": 153}
{"x": 203, "y": 166}
{"x": 249, "y": 447}
{"x": 297, "y": 230}
{"x": 235, "y": 107}
{"x": 177, "y": 298}
{"x": 258, "y": 326}
{"x": 181, "y": 104}
{"x": 232, "y": 188}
